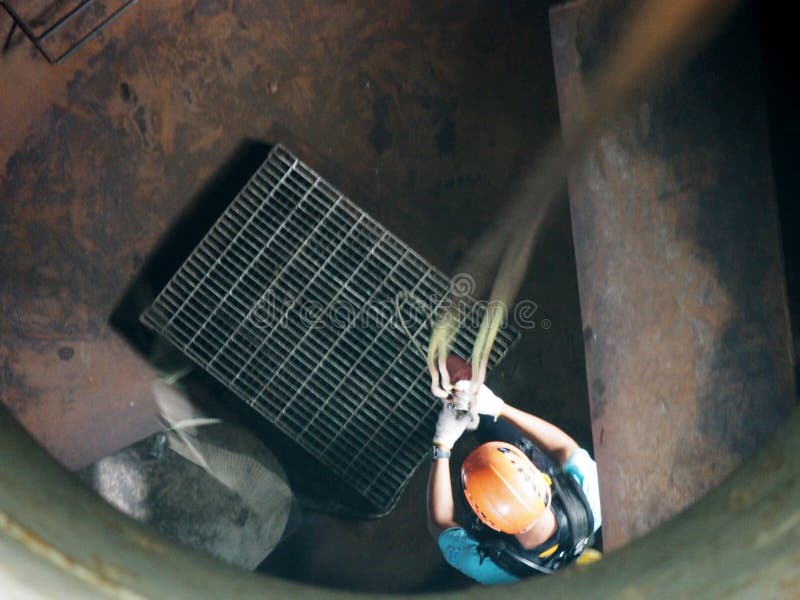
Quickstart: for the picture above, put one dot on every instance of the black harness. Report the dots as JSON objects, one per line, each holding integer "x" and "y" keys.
{"x": 575, "y": 532}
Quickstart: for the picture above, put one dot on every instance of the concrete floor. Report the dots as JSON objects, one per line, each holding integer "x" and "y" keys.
{"x": 424, "y": 114}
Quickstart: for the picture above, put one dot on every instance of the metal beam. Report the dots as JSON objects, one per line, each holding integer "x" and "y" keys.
{"x": 680, "y": 274}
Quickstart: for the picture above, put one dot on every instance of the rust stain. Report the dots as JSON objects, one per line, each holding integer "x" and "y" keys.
{"x": 110, "y": 570}
{"x": 206, "y": 140}
{"x": 148, "y": 543}
{"x": 790, "y": 586}
{"x": 102, "y": 575}
{"x": 740, "y": 499}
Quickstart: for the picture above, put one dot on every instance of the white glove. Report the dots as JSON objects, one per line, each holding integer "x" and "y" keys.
{"x": 451, "y": 424}
{"x": 487, "y": 403}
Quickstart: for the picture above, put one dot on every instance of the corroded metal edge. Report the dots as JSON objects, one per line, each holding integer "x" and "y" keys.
{"x": 741, "y": 540}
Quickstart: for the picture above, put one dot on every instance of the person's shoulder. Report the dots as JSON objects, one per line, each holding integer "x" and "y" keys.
{"x": 460, "y": 550}
{"x": 457, "y": 544}
{"x": 580, "y": 464}
{"x": 455, "y": 535}
{"x": 580, "y": 456}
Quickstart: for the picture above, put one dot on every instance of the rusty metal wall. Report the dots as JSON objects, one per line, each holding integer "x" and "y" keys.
{"x": 423, "y": 113}
{"x": 680, "y": 274}
{"x": 100, "y": 155}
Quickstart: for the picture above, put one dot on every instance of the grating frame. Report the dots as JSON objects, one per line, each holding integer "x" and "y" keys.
{"x": 318, "y": 317}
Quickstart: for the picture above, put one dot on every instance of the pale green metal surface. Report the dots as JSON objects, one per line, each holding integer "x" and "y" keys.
{"x": 59, "y": 540}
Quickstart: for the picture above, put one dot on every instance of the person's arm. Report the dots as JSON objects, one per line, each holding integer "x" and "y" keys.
{"x": 547, "y": 436}
{"x": 441, "y": 508}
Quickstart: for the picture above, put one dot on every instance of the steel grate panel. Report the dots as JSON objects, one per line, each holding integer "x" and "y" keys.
{"x": 343, "y": 380}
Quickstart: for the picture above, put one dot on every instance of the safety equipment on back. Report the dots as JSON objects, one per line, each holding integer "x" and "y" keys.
{"x": 504, "y": 488}
{"x": 571, "y": 541}
{"x": 573, "y": 536}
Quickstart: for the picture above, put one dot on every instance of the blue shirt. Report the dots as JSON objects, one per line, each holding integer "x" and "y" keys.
{"x": 460, "y": 549}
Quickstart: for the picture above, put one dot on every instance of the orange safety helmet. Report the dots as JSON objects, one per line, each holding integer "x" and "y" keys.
{"x": 504, "y": 488}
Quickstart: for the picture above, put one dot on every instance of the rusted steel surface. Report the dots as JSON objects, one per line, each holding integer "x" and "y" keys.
{"x": 423, "y": 113}
{"x": 680, "y": 275}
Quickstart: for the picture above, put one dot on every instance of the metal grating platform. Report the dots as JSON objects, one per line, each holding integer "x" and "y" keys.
{"x": 291, "y": 301}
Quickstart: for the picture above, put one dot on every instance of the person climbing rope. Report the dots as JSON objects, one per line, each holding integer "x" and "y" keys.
{"x": 531, "y": 493}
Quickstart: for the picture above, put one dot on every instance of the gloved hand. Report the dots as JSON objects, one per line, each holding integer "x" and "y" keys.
{"x": 487, "y": 403}
{"x": 451, "y": 425}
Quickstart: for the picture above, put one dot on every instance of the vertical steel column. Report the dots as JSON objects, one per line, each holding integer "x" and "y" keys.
{"x": 680, "y": 273}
